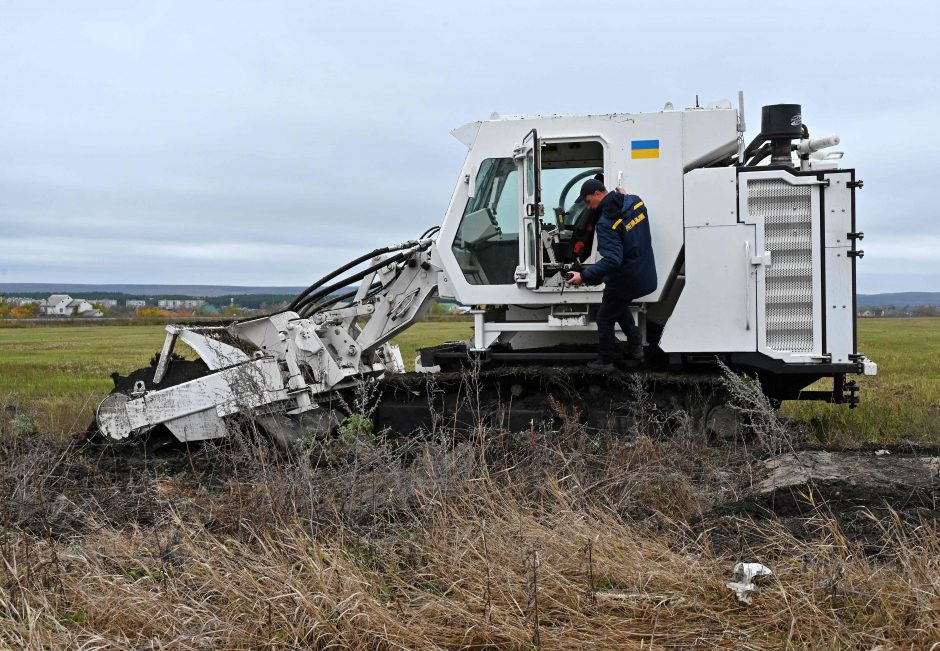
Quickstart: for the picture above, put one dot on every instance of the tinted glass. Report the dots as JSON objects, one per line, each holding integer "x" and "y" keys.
{"x": 487, "y": 242}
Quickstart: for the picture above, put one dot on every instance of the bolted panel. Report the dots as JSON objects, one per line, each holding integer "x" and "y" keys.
{"x": 788, "y": 235}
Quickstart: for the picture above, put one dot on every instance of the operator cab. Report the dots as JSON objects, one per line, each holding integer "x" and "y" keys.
{"x": 510, "y": 197}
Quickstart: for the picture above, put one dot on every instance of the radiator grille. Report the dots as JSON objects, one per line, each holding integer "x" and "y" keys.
{"x": 788, "y": 235}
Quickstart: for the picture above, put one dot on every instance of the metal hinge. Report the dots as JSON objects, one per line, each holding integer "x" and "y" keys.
{"x": 855, "y": 184}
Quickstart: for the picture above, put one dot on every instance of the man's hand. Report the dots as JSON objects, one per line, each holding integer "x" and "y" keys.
{"x": 620, "y": 190}
{"x": 575, "y": 278}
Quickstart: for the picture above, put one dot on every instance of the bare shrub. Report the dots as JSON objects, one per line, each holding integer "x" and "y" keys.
{"x": 747, "y": 399}
{"x": 23, "y": 425}
{"x": 358, "y": 423}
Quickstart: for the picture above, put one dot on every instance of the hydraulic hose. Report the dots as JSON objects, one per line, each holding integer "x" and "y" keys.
{"x": 359, "y": 275}
{"x": 312, "y": 308}
{"x": 376, "y": 287}
{"x": 342, "y": 297}
{"x": 754, "y": 144}
{"x": 333, "y": 274}
{"x": 759, "y": 155}
{"x": 301, "y": 297}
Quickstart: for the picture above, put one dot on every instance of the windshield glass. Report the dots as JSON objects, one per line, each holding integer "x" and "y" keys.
{"x": 486, "y": 243}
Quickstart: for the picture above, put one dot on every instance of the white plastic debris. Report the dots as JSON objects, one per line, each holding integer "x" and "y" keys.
{"x": 744, "y": 585}
{"x": 881, "y": 453}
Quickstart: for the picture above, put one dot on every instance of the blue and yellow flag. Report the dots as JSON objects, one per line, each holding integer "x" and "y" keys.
{"x": 644, "y": 149}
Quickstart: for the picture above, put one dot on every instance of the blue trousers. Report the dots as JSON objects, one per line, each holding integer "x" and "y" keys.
{"x": 614, "y": 311}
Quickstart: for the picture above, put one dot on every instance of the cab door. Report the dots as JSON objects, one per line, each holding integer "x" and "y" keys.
{"x": 529, "y": 161}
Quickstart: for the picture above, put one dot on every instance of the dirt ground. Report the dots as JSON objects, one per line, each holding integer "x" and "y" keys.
{"x": 597, "y": 518}
{"x": 562, "y": 536}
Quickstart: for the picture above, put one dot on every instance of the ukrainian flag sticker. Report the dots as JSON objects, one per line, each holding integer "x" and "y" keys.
{"x": 644, "y": 149}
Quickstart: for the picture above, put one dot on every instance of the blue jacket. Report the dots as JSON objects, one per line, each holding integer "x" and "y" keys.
{"x": 623, "y": 239}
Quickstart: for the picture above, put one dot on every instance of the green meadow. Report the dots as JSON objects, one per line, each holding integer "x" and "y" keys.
{"x": 901, "y": 402}
{"x": 59, "y": 373}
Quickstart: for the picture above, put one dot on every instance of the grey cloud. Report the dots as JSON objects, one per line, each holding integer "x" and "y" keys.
{"x": 236, "y": 142}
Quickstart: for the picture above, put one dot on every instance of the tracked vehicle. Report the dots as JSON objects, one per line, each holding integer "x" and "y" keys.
{"x": 755, "y": 245}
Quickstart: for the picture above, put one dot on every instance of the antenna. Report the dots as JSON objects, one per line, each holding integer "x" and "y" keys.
{"x": 696, "y": 102}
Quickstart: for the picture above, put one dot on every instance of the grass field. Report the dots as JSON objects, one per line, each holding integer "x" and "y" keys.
{"x": 552, "y": 538}
{"x": 902, "y": 401}
{"x": 60, "y": 373}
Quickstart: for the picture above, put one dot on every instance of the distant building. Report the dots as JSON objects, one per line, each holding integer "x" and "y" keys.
{"x": 19, "y": 300}
{"x": 135, "y": 303}
{"x": 92, "y": 312}
{"x": 65, "y": 305}
{"x": 106, "y": 302}
{"x": 57, "y": 305}
{"x": 180, "y": 304}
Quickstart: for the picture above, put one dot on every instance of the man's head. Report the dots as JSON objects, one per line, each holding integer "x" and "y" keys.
{"x": 593, "y": 192}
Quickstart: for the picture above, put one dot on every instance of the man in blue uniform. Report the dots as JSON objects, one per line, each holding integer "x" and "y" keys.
{"x": 627, "y": 268}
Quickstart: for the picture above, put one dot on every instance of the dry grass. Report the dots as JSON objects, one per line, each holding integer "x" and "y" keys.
{"x": 541, "y": 539}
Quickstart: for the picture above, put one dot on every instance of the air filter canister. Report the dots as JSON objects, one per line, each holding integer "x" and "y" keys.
{"x": 781, "y": 121}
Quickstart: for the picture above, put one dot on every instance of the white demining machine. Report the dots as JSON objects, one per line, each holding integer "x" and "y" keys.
{"x": 755, "y": 246}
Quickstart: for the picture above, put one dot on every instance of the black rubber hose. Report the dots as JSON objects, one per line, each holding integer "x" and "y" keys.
{"x": 428, "y": 232}
{"x": 312, "y": 308}
{"x": 359, "y": 275}
{"x": 376, "y": 287}
{"x": 308, "y": 302}
{"x": 348, "y": 295}
{"x": 760, "y": 155}
{"x": 758, "y": 140}
{"x": 333, "y": 274}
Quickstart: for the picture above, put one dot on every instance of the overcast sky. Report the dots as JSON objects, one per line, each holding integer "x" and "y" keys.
{"x": 265, "y": 143}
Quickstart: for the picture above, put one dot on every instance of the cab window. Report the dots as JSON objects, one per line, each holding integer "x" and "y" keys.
{"x": 487, "y": 240}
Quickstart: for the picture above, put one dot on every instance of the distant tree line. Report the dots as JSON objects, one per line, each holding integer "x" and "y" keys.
{"x": 903, "y": 311}
{"x": 252, "y": 301}
{"x": 229, "y": 305}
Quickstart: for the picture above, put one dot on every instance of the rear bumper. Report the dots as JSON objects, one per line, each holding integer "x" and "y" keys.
{"x": 788, "y": 381}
